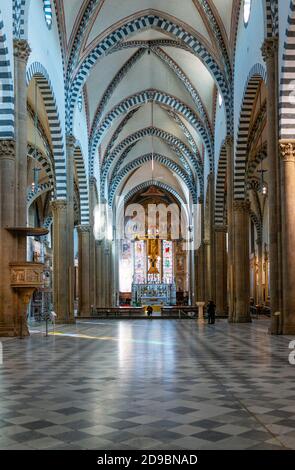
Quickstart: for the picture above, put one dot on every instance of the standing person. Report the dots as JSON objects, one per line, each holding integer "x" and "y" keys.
{"x": 149, "y": 310}
{"x": 211, "y": 308}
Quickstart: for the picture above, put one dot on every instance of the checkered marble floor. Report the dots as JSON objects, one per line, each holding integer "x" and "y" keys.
{"x": 148, "y": 385}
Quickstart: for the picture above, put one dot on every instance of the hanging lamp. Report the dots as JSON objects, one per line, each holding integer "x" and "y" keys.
{"x": 262, "y": 171}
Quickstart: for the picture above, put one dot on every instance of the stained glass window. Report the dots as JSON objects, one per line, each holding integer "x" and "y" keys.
{"x": 139, "y": 262}
{"x": 126, "y": 268}
{"x": 247, "y": 11}
{"x": 167, "y": 262}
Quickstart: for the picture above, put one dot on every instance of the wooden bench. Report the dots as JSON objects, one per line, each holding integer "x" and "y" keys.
{"x": 179, "y": 312}
{"x": 108, "y": 312}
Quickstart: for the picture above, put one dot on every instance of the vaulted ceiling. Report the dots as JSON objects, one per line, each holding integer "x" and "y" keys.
{"x": 125, "y": 55}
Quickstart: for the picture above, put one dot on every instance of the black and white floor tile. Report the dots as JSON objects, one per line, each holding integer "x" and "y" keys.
{"x": 148, "y": 384}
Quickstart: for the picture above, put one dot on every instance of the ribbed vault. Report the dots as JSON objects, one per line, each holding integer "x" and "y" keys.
{"x": 126, "y": 55}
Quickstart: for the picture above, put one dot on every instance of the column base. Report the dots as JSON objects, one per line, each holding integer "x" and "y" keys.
{"x": 230, "y": 317}
{"x": 7, "y": 330}
{"x": 222, "y": 315}
{"x": 275, "y": 328}
{"x": 242, "y": 319}
{"x": 85, "y": 314}
{"x": 10, "y": 330}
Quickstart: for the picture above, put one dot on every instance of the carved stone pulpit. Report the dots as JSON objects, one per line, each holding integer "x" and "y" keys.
{"x": 25, "y": 277}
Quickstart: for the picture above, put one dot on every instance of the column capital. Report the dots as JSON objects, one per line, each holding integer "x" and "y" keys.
{"x": 7, "y": 149}
{"x": 241, "y": 205}
{"x": 220, "y": 228}
{"x": 21, "y": 49}
{"x": 58, "y": 205}
{"x": 70, "y": 140}
{"x": 269, "y": 48}
{"x": 92, "y": 180}
{"x": 287, "y": 150}
{"x": 84, "y": 228}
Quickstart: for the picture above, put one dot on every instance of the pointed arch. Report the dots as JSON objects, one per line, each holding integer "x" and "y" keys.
{"x": 287, "y": 85}
{"x": 139, "y": 99}
{"x": 20, "y": 10}
{"x": 6, "y": 89}
{"x": 145, "y": 159}
{"x": 220, "y": 193}
{"x": 158, "y": 184}
{"x": 41, "y": 189}
{"x": 200, "y": 106}
{"x": 83, "y": 185}
{"x": 45, "y": 163}
{"x": 141, "y": 21}
{"x": 161, "y": 134}
{"x": 256, "y": 76}
{"x": 112, "y": 86}
{"x": 258, "y": 224}
{"x": 271, "y": 14}
{"x": 40, "y": 74}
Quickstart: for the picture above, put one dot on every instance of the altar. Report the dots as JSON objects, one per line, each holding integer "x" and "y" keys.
{"x": 153, "y": 294}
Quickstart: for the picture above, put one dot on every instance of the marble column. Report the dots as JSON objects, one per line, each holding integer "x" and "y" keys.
{"x": 192, "y": 260}
{"x": 199, "y": 271}
{"x": 70, "y": 147}
{"x": 230, "y": 225}
{"x": 115, "y": 271}
{"x": 288, "y": 212}
{"x": 212, "y": 261}
{"x": 8, "y": 252}
{"x": 84, "y": 270}
{"x": 242, "y": 262}
{"x": 104, "y": 275}
{"x": 207, "y": 270}
{"x": 220, "y": 271}
{"x": 99, "y": 273}
{"x": 108, "y": 288}
{"x": 21, "y": 55}
{"x": 93, "y": 198}
{"x": 260, "y": 271}
{"x": 270, "y": 55}
{"x": 60, "y": 262}
{"x": 202, "y": 259}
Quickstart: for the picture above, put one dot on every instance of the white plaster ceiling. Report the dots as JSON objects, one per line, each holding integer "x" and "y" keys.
{"x": 71, "y": 8}
{"x": 145, "y": 147}
{"x": 101, "y": 76}
{"x": 149, "y": 72}
{"x": 143, "y": 119}
{"x": 224, "y": 9}
{"x": 144, "y": 173}
{"x": 198, "y": 74}
{"x": 113, "y": 11}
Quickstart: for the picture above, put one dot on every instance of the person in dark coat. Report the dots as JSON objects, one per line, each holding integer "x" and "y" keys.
{"x": 211, "y": 310}
{"x": 150, "y": 310}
